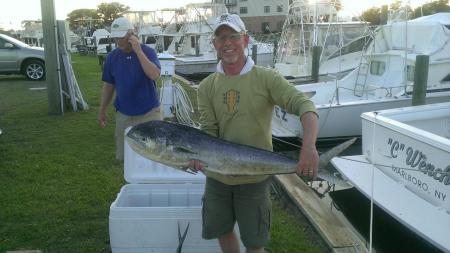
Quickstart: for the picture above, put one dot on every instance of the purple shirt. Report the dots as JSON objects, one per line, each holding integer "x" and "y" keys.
{"x": 136, "y": 94}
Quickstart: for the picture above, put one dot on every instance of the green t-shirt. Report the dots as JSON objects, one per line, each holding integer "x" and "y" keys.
{"x": 239, "y": 109}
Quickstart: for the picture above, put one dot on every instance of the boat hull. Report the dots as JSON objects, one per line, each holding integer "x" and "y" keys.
{"x": 342, "y": 120}
{"x": 425, "y": 219}
{"x": 412, "y": 145}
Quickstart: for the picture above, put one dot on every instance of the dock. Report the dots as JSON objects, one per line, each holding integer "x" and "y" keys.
{"x": 330, "y": 224}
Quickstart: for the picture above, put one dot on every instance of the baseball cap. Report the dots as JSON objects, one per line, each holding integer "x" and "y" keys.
{"x": 120, "y": 27}
{"x": 231, "y": 20}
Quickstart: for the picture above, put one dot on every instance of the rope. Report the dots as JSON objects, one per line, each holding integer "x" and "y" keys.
{"x": 183, "y": 106}
{"x": 372, "y": 187}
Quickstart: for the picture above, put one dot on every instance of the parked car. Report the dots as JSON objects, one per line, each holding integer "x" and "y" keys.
{"x": 17, "y": 57}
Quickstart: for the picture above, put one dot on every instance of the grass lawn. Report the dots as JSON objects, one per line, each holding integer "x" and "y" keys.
{"x": 58, "y": 175}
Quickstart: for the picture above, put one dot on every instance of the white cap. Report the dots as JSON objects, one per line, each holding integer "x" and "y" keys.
{"x": 120, "y": 27}
{"x": 231, "y": 20}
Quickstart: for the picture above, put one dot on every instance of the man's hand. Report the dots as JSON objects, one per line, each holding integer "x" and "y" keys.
{"x": 194, "y": 166}
{"x": 309, "y": 162}
{"x": 135, "y": 44}
{"x": 102, "y": 119}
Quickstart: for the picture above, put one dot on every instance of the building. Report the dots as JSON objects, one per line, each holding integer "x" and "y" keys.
{"x": 259, "y": 16}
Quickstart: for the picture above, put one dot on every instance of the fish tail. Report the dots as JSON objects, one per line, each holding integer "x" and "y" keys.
{"x": 326, "y": 157}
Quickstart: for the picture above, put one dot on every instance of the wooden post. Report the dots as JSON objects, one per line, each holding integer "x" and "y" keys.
{"x": 420, "y": 79}
{"x": 317, "y": 50}
{"x": 52, "y": 70}
{"x": 255, "y": 53}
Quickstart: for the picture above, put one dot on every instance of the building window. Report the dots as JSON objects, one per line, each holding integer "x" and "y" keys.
{"x": 243, "y": 10}
{"x": 194, "y": 40}
{"x": 446, "y": 79}
{"x": 377, "y": 68}
{"x": 267, "y": 9}
{"x": 280, "y": 8}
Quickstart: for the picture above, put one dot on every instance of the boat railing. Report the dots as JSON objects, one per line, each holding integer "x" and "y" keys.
{"x": 364, "y": 66}
{"x": 376, "y": 91}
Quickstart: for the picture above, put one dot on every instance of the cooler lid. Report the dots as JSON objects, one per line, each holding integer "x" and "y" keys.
{"x": 140, "y": 170}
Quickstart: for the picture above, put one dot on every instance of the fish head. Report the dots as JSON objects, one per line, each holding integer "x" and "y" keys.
{"x": 145, "y": 139}
{"x": 161, "y": 142}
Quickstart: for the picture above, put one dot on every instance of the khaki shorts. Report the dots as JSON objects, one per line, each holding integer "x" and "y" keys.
{"x": 123, "y": 121}
{"x": 248, "y": 204}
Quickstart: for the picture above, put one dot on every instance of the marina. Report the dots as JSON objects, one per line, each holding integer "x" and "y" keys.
{"x": 63, "y": 191}
{"x": 341, "y": 233}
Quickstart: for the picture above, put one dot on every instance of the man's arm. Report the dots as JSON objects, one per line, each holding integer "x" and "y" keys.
{"x": 150, "y": 69}
{"x": 107, "y": 95}
{"x": 309, "y": 157}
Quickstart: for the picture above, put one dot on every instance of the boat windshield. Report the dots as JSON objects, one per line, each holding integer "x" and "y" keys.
{"x": 352, "y": 47}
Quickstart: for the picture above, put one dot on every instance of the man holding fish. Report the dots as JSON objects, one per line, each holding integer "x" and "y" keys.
{"x": 236, "y": 104}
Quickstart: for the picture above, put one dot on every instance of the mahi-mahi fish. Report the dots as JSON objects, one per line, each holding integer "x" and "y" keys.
{"x": 175, "y": 145}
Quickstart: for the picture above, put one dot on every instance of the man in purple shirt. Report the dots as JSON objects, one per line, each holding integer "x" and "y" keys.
{"x": 130, "y": 72}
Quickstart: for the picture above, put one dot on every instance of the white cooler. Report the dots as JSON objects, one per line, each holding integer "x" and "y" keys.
{"x": 146, "y": 213}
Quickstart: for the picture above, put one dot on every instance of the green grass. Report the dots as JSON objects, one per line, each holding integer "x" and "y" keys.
{"x": 58, "y": 175}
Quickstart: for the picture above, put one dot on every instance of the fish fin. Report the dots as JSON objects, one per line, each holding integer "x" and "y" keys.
{"x": 181, "y": 238}
{"x": 191, "y": 171}
{"x": 183, "y": 149}
{"x": 205, "y": 164}
{"x": 310, "y": 94}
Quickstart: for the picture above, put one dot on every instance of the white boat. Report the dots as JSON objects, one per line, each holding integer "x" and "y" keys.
{"x": 380, "y": 81}
{"x": 148, "y": 25}
{"x": 32, "y": 33}
{"x": 205, "y": 62}
{"x": 149, "y": 34}
{"x": 318, "y": 24}
{"x": 405, "y": 167}
{"x": 192, "y": 46}
{"x": 100, "y": 40}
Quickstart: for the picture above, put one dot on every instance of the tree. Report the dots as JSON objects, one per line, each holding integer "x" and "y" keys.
{"x": 6, "y": 32}
{"x": 337, "y": 5}
{"x": 83, "y": 17}
{"x": 384, "y": 15}
{"x": 372, "y": 15}
{"x": 431, "y": 8}
{"x": 396, "y": 5}
{"x": 110, "y": 11}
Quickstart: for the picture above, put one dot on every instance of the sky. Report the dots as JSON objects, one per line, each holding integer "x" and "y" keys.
{"x": 15, "y": 11}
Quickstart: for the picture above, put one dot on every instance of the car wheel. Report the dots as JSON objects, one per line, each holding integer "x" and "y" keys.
{"x": 34, "y": 70}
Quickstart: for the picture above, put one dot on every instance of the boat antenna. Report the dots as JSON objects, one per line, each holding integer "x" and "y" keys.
{"x": 405, "y": 67}
{"x": 315, "y": 39}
